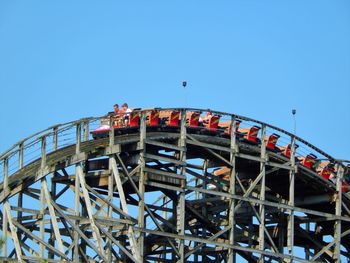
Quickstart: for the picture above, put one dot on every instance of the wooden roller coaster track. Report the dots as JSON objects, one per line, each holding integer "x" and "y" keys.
{"x": 172, "y": 190}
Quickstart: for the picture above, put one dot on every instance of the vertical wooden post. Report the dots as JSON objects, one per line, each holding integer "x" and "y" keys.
{"x": 262, "y": 194}
{"x": 204, "y": 208}
{"x": 338, "y": 211}
{"x": 42, "y": 197}
{"x": 141, "y": 210}
{"x": 55, "y": 139}
{"x": 86, "y": 131}
{"x": 77, "y": 195}
{"x": 20, "y": 194}
{"x": 7, "y": 213}
{"x": 290, "y": 227}
{"x": 52, "y": 234}
{"x": 181, "y": 198}
{"x": 4, "y": 217}
{"x": 110, "y": 187}
{"x": 232, "y": 189}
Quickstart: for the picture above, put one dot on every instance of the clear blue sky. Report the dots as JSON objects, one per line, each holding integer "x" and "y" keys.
{"x": 64, "y": 60}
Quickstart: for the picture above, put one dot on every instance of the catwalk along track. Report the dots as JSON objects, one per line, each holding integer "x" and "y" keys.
{"x": 172, "y": 185}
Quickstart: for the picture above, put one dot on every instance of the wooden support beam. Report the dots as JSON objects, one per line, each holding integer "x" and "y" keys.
{"x": 7, "y": 211}
{"x": 53, "y": 218}
{"x": 40, "y": 241}
{"x": 210, "y": 151}
{"x": 259, "y": 218}
{"x": 223, "y": 244}
{"x": 95, "y": 231}
{"x": 262, "y": 195}
{"x": 231, "y": 255}
{"x": 133, "y": 244}
{"x": 291, "y": 202}
{"x": 146, "y": 207}
{"x": 5, "y": 218}
{"x": 164, "y": 145}
{"x": 180, "y": 209}
{"x": 77, "y": 231}
{"x": 338, "y": 212}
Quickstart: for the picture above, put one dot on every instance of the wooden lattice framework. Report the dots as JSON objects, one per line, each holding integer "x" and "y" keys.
{"x": 150, "y": 194}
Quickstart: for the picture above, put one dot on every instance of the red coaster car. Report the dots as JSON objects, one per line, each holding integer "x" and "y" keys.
{"x": 251, "y": 134}
{"x": 271, "y": 141}
{"x": 286, "y": 150}
{"x": 308, "y": 161}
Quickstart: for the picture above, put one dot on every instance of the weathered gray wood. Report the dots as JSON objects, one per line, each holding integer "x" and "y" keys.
{"x": 95, "y": 230}
{"x": 231, "y": 255}
{"x": 262, "y": 195}
{"x": 4, "y": 218}
{"x": 338, "y": 212}
{"x": 133, "y": 244}
{"x": 290, "y": 227}
{"x": 180, "y": 218}
{"x": 77, "y": 230}
{"x": 142, "y": 179}
{"x": 41, "y": 241}
{"x": 52, "y": 215}
{"x": 7, "y": 211}
{"x": 220, "y": 205}
{"x": 164, "y": 145}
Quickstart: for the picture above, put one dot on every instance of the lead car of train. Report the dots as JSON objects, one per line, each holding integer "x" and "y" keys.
{"x": 209, "y": 124}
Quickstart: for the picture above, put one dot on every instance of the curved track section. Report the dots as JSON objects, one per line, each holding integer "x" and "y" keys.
{"x": 171, "y": 193}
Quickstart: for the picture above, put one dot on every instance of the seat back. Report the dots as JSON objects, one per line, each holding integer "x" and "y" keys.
{"x": 327, "y": 171}
{"x": 194, "y": 119}
{"x": 214, "y": 122}
{"x": 286, "y": 150}
{"x": 271, "y": 141}
{"x": 154, "y": 118}
{"x": 309, "y": 160}
{"x": 344, "y": 186}
{"x": 134, "y": 119}
{"x": 252, "y": 134}
{"x": 174, "y": 118}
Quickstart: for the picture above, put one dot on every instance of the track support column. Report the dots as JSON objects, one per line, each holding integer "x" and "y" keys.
{"x": 20, "y": 195}
{"x": 290, "y": 227}
{"x": 42, "y": 197}
{"x": 141, "y": 211}
{"x": 338, "y": 210}
{"x": 262, "y": 194}
{"x": 7, "y": 213}
{"x": 110, "y": 186}
{"x": 181, "y": 199}
{"x": 77, "y": 195}
{"x": 4, "y": 217}
{"x": 233, "y": 148}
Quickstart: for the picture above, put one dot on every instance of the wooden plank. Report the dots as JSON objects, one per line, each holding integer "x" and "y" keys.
{"x": 131, "y": 235}
{"x": 208, "y": 145}
{"x": 78, "y": 231}
{"x": 95, "y": 231}
{"x": 52, "y": 215}
{"x": 165, "y": 145}
{"x": 164, "y": 186}
{"x": 13, "y": 232}
{"x": 164, "y": 173}
{"x": 164, "y": 159}
{"x": 39, "y": 240}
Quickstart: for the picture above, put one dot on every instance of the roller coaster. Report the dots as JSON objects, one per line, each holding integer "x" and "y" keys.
{"x": 172, "y": 185}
